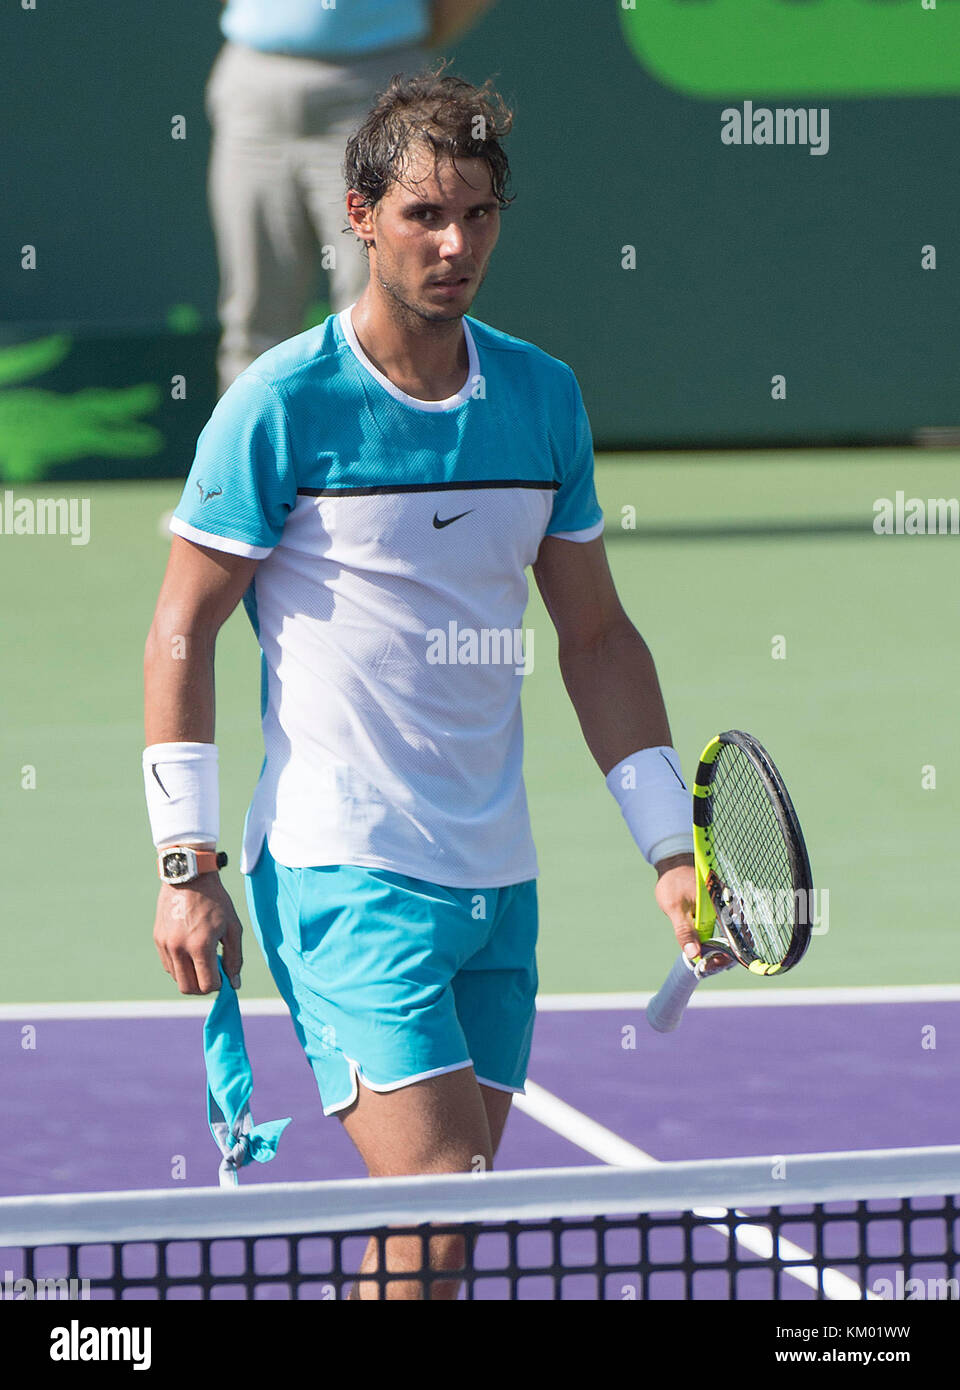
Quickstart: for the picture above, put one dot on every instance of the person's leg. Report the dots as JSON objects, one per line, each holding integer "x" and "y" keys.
{"x": 343, "y": 261}
{"x": 434, "y": 1126}
{"x": 497, "y": 1105}
{"x": 368, "y": 963}
{"x": 446, "y": 1124}
{"x": 454, "y": 1123}
{"x": 266, "y": 246}
{"x": 342, "y": 98}
{"x": 438, "y": 1125}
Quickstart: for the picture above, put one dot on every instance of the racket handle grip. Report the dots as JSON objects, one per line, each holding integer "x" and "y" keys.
{"x": 665, "y": 1009}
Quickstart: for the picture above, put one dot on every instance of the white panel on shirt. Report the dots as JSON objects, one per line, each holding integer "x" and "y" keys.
{"x": 375, "y": 755}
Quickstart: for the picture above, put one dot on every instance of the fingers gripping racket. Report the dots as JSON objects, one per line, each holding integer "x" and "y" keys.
{"x": 754, "y": 886}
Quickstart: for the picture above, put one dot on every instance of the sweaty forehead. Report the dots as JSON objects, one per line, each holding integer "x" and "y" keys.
{"x": 442, "y": 179}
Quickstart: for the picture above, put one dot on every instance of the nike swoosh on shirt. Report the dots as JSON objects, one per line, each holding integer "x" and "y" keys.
{"x": 449, "y": 520}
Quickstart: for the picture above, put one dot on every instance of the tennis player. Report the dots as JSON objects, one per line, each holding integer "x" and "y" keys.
{"x": 374, "y": 490}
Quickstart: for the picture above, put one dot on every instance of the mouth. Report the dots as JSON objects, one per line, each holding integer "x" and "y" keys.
{"x": 451, "y": 282}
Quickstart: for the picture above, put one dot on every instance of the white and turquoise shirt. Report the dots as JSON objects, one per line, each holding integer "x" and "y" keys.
{"x": 315, "y": 28}
{"x": 393, "y": 536}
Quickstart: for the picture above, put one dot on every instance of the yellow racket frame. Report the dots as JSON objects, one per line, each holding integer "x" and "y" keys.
{"x": 706, "y": 860}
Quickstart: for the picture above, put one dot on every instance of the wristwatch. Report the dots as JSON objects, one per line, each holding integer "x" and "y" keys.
{"x": 183, "y": 863}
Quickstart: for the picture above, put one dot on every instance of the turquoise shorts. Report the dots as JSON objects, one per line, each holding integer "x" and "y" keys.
{"x": 391, "y": 979}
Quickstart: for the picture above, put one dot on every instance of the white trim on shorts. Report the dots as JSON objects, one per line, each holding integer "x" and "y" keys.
{"x": 496, "y": 1086}
{"x": 356, "y": 1075}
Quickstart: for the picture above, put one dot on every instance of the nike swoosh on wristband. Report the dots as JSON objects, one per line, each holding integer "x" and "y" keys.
{"x": 674, "y": 771}
{"x": 439, "y": 525}
{"x": 153, "y": 768}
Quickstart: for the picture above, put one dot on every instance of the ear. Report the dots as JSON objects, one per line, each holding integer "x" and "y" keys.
{"x": 360, "y": 215}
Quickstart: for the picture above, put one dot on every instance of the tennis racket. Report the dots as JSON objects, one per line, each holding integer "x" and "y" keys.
{"x": 754, "y": 886}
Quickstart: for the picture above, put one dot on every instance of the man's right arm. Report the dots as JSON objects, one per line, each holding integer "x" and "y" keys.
{"x": 200, "y": 590}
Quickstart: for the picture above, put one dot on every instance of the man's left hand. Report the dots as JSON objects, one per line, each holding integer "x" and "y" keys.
{"x": 676, "y": 894}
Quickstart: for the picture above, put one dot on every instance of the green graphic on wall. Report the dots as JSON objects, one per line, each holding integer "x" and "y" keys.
{"x": 184, "y": 318}
{"x": 820, "y": 48}
{"x": 39, "y": 428}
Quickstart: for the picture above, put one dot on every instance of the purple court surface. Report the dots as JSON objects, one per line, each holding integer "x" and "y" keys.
{"x": 105, "y": 1103}
{"x": 102, "y": 1103}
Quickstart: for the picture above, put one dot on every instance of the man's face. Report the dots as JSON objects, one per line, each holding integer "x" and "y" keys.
{"x": 434, "y": 234}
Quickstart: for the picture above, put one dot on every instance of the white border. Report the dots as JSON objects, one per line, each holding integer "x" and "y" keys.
{"x": 761, "y": 997}
{"x": 498, "y": 1086}
{"x": 279, "y": 1208}
{"x": 430, "y": 407}
{"x": 212, "y": 542}
{"x": 589, "y": 533}
{"x": 382, "y": 1087}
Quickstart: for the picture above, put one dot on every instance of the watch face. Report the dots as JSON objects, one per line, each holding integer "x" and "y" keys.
{"x": 175, "y": 865}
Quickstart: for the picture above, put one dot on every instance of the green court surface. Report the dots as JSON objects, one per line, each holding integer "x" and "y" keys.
{"x": 725, "y": 559}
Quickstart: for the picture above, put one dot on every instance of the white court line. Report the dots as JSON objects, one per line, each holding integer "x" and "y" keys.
{"x": 760, "y": 997}
{"x": 603, "y": 1143}
{"x": 137, "y": 1008}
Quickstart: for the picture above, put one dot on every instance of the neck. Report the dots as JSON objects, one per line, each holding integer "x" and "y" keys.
{"x": 426, "y": 359}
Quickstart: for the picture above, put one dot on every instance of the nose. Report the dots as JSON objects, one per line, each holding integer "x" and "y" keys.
{"x": 453, "y": 242}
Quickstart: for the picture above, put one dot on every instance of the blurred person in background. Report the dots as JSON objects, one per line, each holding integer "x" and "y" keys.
{"x": 290, "y": 85}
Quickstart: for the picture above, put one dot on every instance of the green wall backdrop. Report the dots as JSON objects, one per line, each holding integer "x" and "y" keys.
{"x": 750, "y": 260}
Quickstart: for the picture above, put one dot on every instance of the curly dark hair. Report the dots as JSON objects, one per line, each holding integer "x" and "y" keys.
{"x": 431, "y": 108}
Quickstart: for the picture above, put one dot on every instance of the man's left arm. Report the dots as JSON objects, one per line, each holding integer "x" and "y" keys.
{"x": 612, "y": 682}
{"x": 451, "y": 18}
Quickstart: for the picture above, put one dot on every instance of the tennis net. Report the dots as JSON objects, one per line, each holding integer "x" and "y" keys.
{"x": 859, "y": 1225}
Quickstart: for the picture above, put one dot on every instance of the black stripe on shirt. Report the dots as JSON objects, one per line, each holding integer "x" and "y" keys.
{"x": 424, "y": 487}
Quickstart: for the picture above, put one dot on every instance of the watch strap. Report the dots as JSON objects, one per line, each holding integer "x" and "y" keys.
{"x": 208, "y": 860}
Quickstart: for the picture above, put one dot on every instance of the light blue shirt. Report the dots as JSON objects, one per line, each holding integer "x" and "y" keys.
{"x": 394, "y": 535}
{"x": 321, "y": 28}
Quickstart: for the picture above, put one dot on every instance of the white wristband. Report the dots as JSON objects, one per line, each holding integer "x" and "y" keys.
{"x": 655, "y": 801}
{"x": 183, "y": 792}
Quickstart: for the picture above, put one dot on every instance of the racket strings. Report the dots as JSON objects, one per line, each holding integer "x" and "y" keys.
{"x": 752, "y": 855}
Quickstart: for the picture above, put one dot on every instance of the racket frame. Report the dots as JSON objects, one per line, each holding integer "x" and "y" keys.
{"x": 713, "y": 917}
{"x": 715, "y": 922}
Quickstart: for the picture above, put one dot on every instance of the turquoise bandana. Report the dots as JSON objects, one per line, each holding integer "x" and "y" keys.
{"x": 229, "y": 1088}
